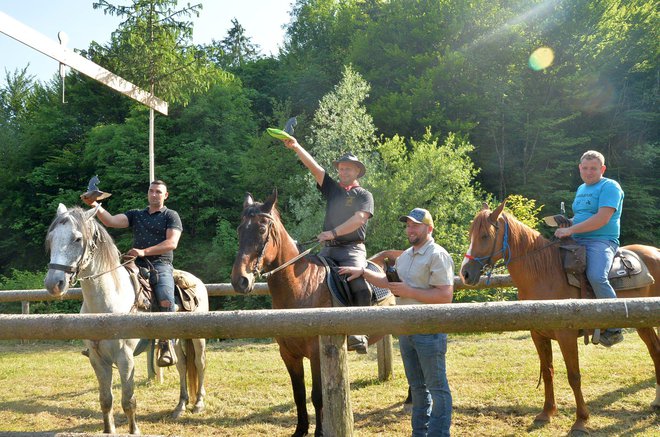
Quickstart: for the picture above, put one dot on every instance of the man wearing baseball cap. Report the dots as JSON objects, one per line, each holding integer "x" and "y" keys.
{"x": 426, "y": 272}
{"x": 348, "y": 209}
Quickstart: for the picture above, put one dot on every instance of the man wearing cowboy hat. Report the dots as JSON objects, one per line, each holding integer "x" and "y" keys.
{"x": 348, "y": 209}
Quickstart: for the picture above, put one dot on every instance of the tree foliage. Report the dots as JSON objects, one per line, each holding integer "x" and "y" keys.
{"x": 437, "y": 97}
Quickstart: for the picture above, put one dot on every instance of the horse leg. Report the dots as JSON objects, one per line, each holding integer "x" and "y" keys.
{"x": 569, "y": 349}
{"x": 650, "y": 338}
{"x": 126, "y": 367}
{"x": 317, "y": 395}
{"x": 103, "y": 373}
{"x": 199, "y": 345}
{"x": 297, "y": 374}
{"x": 544, "y": 351}
{"x": 181, "y": 366}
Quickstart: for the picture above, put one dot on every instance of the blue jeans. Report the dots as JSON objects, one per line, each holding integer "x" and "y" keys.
{"x": 164, "y": 287}
{"x": 423, "y": 358}
{"x": 600, "y": 254}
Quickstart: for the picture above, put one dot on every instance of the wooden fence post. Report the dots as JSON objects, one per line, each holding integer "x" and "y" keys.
{"x": 384, "y": 349}
{"x": 337, "y": 411}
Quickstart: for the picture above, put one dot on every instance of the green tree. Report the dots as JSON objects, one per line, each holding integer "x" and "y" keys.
{"x": 426, "y": 174}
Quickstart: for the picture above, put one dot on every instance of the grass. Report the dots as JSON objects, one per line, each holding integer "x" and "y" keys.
{"x": 49, "y": 386}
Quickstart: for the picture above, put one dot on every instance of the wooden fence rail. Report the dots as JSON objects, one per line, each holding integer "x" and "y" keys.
{"x": 332, "y": 325}
{"x": 224, "y": 289}
{"x": 409, "y": 319}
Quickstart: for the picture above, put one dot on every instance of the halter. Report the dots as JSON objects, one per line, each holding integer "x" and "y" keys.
{"x": 258, "y": 266}
{"x": 505, "y": 251}
{"x": 88, "y": 248}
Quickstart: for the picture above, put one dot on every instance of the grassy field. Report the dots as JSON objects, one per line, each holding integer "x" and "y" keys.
{"x": 50, "y": 386}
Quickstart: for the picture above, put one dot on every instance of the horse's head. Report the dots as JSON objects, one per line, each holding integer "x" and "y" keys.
{"x": 257, "y": 241}
{"x": 67, "y": 240}
{"x": 488, "y": 238}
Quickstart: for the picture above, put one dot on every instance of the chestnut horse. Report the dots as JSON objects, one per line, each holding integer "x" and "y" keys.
{"x": 536, "y": 270}
{"x": 264, "y": 244}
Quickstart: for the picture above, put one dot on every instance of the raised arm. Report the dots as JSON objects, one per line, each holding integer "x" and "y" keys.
{"x": 317, "y": 171}
{"x": 109, "y": 220}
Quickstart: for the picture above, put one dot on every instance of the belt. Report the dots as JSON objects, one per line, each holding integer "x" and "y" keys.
{"x": 334, "y": 243}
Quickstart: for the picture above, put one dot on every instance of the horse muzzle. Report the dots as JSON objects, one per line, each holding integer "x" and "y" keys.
{"x": 57, "y": 282}
{"x": 243, "y": 283}
{"x": 471, "y": 272}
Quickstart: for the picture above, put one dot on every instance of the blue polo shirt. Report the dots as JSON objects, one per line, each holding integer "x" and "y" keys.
{"x": 151, "y": 229}
{"x": 590, "y": 198}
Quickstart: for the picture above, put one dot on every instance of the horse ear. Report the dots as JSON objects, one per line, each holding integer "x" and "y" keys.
{"x": 248, "y": 200}
{"x": 270, "y": 202}
{"x": 496, "y": 214}
{"x": 484, "y": 206}
{"x": 92, "y": 212}
{"x": 61, "y": 209}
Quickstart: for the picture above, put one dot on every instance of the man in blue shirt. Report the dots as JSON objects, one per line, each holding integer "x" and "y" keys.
{"x": 596, "y": 226}
{"x": 156, "y": 233}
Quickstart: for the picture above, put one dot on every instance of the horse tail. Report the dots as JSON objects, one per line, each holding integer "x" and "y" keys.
{"x": 191, "y": 370}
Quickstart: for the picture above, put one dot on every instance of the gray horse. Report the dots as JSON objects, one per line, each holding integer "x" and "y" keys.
{"x": 79, "y": 245}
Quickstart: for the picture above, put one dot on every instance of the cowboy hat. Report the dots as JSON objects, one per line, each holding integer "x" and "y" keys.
{"x": 349, "y": 157}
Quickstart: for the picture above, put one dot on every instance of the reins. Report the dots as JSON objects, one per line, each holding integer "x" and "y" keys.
{"x": 129, "y": 260}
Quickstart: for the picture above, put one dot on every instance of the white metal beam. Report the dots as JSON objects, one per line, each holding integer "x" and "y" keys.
{"x": 30, "y": 37}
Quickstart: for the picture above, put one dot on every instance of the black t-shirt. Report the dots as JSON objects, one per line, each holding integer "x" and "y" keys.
{"x": 151, "y": 229}
{"x": 342, "y": 204}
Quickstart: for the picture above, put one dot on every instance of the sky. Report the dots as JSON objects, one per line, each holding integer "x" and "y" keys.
{"x": 263, "y": 21}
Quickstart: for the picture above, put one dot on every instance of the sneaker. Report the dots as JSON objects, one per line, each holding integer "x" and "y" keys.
{"x": 166, "y": 355}
{"x": 609, "y": 339}
{"x": 358, "y": 343}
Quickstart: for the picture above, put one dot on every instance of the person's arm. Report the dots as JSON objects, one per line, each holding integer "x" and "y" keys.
{"x": 376, "y": 278}
{"x": 317, "y": 171}
{"x": 109, "y": 220}
{"x": 594, "y": 222}
{"x": 170, "y": 243}
{"x": 358, "y": 219}
{"x": 435, "y": 294}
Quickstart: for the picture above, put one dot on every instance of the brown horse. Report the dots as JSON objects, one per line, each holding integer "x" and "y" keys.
{"x": 264, "y": 245}
{"x": 535, "y": 267}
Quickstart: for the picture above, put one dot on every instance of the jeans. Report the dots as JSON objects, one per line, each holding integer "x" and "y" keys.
{"x": 600, "y": 254}
{"x": 164, "y": 287}
{"x": 423, "y": 358}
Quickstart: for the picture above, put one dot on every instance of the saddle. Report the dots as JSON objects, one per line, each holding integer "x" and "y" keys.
{"x": 145, "y": 300}
{"x": 628, "y": 271}
{"x": 340, "y": 287}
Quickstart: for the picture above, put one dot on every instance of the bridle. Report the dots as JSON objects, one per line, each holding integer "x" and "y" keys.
{"x": 84, "y": 259}
{"x": 486, "y": 262}
{"x": 258, "y": 265}
{"x": 88, "y": 251}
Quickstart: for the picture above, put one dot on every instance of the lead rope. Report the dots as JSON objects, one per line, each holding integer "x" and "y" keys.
{"x": 288, "y": 263}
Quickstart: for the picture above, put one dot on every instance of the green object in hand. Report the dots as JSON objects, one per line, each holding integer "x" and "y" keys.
{"x": 278, "y": 133}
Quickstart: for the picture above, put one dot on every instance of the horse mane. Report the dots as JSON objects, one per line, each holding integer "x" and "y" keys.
{"x": 95, "y": 236}
{"x": 522, "y": 240}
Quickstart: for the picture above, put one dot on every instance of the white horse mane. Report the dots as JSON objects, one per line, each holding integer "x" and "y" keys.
{"x": 95, "y": 237}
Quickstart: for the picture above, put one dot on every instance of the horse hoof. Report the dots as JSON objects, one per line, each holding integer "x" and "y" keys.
{"x": 578, "y": 432}
{"x": 197, "y": 409}
{"x": 176, "y": 414}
